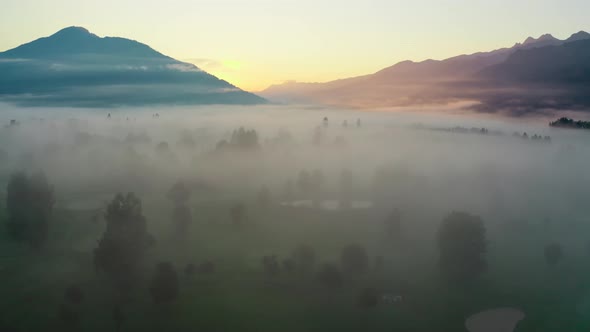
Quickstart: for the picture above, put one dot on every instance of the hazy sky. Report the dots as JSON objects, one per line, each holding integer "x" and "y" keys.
{"x": 255, "y": 43}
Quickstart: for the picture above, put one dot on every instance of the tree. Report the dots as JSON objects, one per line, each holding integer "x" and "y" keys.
{"x": 179, "y": 193}
{"x": 264, "y": 197}
{"x": 553, "y": 254}
{"x": 304, "y": 258}
{"x": 182, "y": 217}
{"x": 271, "y": 265}
{"x": 164, "y": 286}
{"x": 29, "y": 202}
{"x": 238, "y": 214}
{"x": 462, "y": 246}
{"x": 241, "y": 139}
{"x": 368, "y": 298}
{"x": 329, "y": 275}
{"x": 122, "y": 248}
{"x": 354, "y": 260}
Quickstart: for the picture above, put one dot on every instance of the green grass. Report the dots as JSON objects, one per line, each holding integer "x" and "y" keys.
{"x": 240, "y": 297}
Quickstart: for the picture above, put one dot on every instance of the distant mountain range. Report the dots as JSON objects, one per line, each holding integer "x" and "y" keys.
{"x": 74, "y": 67}
{"x": 539, "y": 73}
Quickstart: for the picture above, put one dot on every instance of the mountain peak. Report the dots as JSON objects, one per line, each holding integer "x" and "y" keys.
{"x": 581, "y": 35}
{"x": 73, "y": 30}
{"x": 73, "y": 34}
{"x": 78, "y": 42}
{"x": 543, "y": 39}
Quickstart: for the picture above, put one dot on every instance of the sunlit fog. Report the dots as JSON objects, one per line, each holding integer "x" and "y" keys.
{"x": 285, "y": 218}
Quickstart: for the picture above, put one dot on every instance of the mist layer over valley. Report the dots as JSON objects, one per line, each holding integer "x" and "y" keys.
{"x": 277, "y": 218}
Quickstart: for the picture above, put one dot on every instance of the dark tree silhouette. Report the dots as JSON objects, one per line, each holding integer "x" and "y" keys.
{"x": 304, "y": 258}
{"x": 329, "y": 275}
{"x": 244, "y": 139}
{"x": 119, "y": 318}
{"x": 354, "y": 260}
{"x": 164, "y": 286}
{"x": 74, "y": 294}
{"x": 179, "y": 193}
{"x": 368, "y": 298}
{"x": 69, "y": 317}
{"x": 553, "y": 254}
{"x": 29, "y": 203}
{"x": 182, "y": 216}
{"x": 462, "y": 246}
{"x": 190, "y": 269}
{"x": 238, "y": 214}
{"x": 207, "y": 267}
{"x": 264, "y": 197}
{"x": 289, "y": 265}
{"x": 271, "y": 265}
{"x": 125, "y": 241}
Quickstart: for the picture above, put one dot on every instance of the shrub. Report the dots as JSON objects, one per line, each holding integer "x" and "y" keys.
{"x": 164, "y": 286}
{"x": 462, "y": 245}
{"x": 354, "y": 260}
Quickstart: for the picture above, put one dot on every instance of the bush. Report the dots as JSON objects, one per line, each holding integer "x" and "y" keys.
{"x": 462, "y": 245}
{"x": 368, "y": 298}
{"x": 304, "y": 258}
{"x": 354, "y": 260}
{"x": 329, "y": 275}
{"x": 164, "y": 285}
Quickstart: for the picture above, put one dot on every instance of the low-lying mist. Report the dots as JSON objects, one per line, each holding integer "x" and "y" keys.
{"x": 266, "y": 180}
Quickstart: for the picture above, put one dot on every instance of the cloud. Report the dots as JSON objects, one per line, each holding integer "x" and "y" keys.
{"x": 205, "y": 63}
{"x": 183, "y": 67}
{"x": 215, "y": 65}
{"x": 13, "y": 60}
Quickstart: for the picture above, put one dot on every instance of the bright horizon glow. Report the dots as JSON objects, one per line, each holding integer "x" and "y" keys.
{"x": 256, "y": 43}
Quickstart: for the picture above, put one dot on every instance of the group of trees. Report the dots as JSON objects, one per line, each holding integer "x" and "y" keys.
{"x": 29, "y": 203}
{"x": 241, "y": 139}
{"x": 570, "y": 123}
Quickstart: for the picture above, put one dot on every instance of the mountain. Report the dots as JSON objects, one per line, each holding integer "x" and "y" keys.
{"x": 464, "y": 77}
{"x": 582, "y": 35}
{"x": 74, "y": 67}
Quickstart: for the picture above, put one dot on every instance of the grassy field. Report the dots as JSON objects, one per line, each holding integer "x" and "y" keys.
{"x": 239, "y": 296}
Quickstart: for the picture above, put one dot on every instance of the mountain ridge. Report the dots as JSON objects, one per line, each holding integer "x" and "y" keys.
{"x": 430, "y": 81}
{"x": 64, "y": 67}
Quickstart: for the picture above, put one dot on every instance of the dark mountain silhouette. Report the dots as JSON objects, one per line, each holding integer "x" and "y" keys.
{"x": 582, "y": 35}
{"x": 74, "y": 67}
{"x": 473, "y": 77}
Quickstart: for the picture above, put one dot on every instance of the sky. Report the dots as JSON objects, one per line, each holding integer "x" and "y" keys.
{"x": 257, "y": 43}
